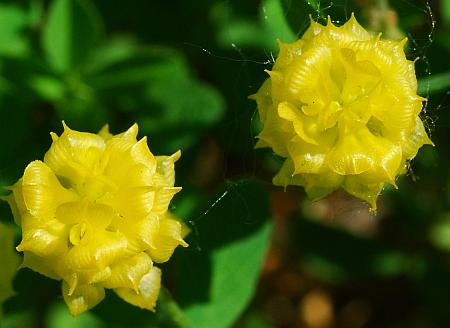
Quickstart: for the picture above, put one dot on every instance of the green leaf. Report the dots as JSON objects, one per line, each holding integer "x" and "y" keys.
{"x": 9, "y": 260}
{"x": 274, "y": 19}
{"x": 112, "y": 52}
{"x": 446, "y": 10}
{"x": 59, "y": 316}
{"x": 13, "y": 20}
{"x": 36, "y": 12}
{"x": 47, "y": 87}
{"x": 159, "y": 86}
{"x": 70, "y": 33}
{"x": 434, "y": 84}
{"x": 217, "y": 281}
{"x": 440, "y": 234}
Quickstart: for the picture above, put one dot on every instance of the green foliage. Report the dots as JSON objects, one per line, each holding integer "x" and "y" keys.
{"x": 70, "y": 34}
{"x": 10, "y": 262}
{"x": 218, "y": 280}
{"x": 12, "y": 41}
{"x": 434, "y": 83}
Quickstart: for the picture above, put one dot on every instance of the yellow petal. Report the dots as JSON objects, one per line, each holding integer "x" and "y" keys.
{"x": 361, "y": 151}
{"x": 140, "y": 234}
{"x": 275, "y": 132}
{"x": 305, "y": 127}
{"x": 148, "y": 291}
{"x": 366, "y": 191}
{"x": 286, "y": 176}
{"x": 41, "y": 242}
{"x": 132, "y": 203}
{"x": 104, "y": 133}
{"x": 128, "y": 272}
{"x": 418, "y": 138}
{"x": 40, "y": 265}
{"x": 163, "y": 198}
{"x": 83, "y": 298}
{"x": 129, "y": 134}
{"x": 165, "y": 172}
{"x": 42, "y": 192}
{"x": 100, "y": 249}
{"x": 74, "y": 154}
{"x": 97, "y": 215}
{"x": 167, "y": 239}
{"x": 129, "y": 164}
{"x": 16, "y": 202}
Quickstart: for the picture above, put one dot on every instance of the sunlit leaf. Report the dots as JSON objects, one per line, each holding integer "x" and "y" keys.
{"x": 274, "y": 18}
{"x": 13, "y": 41}
{"x": 434, "y": 83}
{"x": 446, "y": 10}
{"x": 70, "y": 33}
{"x": 217, "y": 281}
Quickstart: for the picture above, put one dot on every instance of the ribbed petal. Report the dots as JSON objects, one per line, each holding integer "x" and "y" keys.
{"x": 44, "y": 266}
{"x": 275, "y": 132}
{"x": 15, "y": 201}
{"x": 41, "y": 243}
{"x": 361, "y": 151}
{"x": 128, "y": 272}
{"x": 307, "y": 158}
{"x": 305, "y": 127}
{"x": 320, "y": 185}
{"x": 418, "y": 138}
{"x": 165, "y": 170}
{"x": 42, "y": 192}
{"x": 286, "y": 176}
{"x": 369, "y": 192}
{"x": 130, "y": 164}
{"x": 356, "y": 29}
{"x": 100, "y": 250}
{"x": 97, "y": 215}
{"x": 132, "y": 204}
{"x": 83, "y": 298}
{"x": 148, "y": 291}
{"x": 162, "y": 199}
{"x": 263, "y": 99}
{"x": 167, "y": 239}
{"x": 129, "y": 134}
{"x": 74, "y": 154}
{"x": 140, "y": 234}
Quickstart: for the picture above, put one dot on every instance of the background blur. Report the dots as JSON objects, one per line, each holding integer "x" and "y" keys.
{"x": 259, "y": 257}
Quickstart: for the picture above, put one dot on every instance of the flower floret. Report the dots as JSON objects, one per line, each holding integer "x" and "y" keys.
{"x": 341, "y": 106}
{"x": 94, "y": 214}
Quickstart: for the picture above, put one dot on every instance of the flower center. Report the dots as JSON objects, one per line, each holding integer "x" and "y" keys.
{"x": 95, "y": 187}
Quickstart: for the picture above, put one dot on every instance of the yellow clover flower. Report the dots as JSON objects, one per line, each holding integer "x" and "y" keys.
{"x": 94, "y": 214}
{"x": 341, "y": 106}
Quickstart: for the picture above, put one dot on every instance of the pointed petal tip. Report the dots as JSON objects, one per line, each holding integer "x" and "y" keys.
{"x": 54, "y": 136}
{"x": 176, "y": 155}
{"x": 65, "y": 126}
{"x": 253, "y": 96}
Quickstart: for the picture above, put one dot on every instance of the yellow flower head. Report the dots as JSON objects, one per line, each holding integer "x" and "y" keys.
{"x": 94, "y": 214}
{"x": 341, "y": 106}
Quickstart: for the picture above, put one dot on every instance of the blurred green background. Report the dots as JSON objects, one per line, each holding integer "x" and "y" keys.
{"x": 259, "y": 257}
